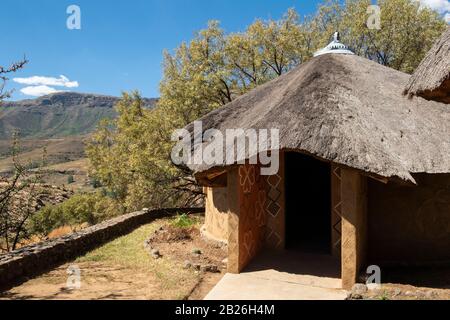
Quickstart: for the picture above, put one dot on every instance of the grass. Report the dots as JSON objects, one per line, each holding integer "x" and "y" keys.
{"x": 384, "y": 296}
{"x": 184, "y": 221}
{"x": 129, "y": 252}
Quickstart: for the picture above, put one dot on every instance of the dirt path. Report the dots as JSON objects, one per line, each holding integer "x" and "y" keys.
{"x": 124, "y": 270}
{"x": 98, "y": 281}
{"x": 106, "y": 282}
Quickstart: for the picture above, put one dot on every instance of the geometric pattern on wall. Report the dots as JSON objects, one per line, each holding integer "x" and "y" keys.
{"x": 252, "y": 217}
{"x": 336, "y": 217}
{"x": 273, "y": 195}
{"x": 274, "y": 209}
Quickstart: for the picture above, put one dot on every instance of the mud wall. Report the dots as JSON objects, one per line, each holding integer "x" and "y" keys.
{"x": 410, "y": 225}
{"x": 247, "y": 217}
{"x": 275, "y": 208}
{"x": 252, "y": 192}
{"x": 216, "y": 217}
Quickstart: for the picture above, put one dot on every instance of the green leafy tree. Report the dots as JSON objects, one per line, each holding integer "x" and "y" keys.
{"x": 79, "y": 210}
{"x": 407, "y": 31}
{"x": 130, "y": 156}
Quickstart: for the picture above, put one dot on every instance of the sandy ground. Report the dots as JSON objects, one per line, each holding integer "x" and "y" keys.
{"x": 125, "y": 269}
{"x": 101, "y": 281}
{"x": 108, "y": 274}
{"x": 406, "y": 292}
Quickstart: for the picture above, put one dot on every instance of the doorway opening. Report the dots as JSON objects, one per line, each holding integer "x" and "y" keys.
{"x": 308, "y": 204}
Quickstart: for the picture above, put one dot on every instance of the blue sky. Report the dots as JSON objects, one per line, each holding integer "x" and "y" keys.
{"x": 120, "y": 44}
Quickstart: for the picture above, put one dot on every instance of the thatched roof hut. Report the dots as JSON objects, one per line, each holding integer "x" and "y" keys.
{"x": 432, "y": 78}
{"x": 347, "y": 110}
{"x": 347, "y": 136}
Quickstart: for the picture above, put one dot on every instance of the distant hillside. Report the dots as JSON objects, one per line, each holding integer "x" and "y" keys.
{"x": 56, "y": 151}
{"x": 57, "y": 115}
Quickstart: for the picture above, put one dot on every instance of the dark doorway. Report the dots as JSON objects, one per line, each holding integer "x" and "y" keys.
{"x": 308, "y": 204}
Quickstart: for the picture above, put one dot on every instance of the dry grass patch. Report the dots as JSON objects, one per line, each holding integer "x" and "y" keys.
{"x": 121, "y": 269}
{"x": 129, "y": 252}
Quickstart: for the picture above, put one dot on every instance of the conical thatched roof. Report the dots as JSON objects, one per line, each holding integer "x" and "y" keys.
{"x": 347, "y": 110}
{"x": 432, "y": 78}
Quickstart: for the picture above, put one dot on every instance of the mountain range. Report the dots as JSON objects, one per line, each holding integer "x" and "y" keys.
{"x": 57, "y": 115}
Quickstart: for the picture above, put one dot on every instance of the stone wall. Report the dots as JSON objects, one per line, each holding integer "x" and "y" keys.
{"x": 33, "y": 260}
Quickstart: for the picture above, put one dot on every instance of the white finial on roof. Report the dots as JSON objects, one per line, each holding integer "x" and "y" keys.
{"x": 336, "y": 37}
{"x": 334, "y": 46}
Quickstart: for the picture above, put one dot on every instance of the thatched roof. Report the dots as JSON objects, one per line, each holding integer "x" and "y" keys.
{"x": 347, "y": 110}
{"x": 432, "y": 78}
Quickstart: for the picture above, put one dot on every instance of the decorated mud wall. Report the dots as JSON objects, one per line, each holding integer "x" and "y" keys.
{"x": 336, "y": 211}
{"x": 270, "y": 202}
{"x": 410, "y": 224}
{"x": 247, "y": 221}
{"x": 216, "y": 218}
{"x": 275, "y": 209}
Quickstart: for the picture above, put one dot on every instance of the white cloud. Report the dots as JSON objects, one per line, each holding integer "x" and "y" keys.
{"x": 441, "y": 6}
{"x": 37, "y": 91}
{"x": 62, "y": 81}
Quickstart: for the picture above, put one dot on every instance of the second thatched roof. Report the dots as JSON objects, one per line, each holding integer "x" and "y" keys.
{"x": 432, "y": 78}
{"x": 347, "y": 110}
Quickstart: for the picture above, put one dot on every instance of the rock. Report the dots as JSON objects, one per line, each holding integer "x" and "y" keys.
{"x": 359, "y": 289}
{"x": 373, "y": 286}
{"x": 156, "y": 254}
{"x": 430, "y": 295}
{"x": 187, "y": 265}
{"x": 210, "y": 268}
{"x": 420, "y": 294}
{"x": 197, "y": 267}
{"x": 196, "y": 251}
{"x": 397, "y": 292}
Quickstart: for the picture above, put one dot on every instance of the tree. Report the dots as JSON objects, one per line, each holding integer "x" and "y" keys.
{"x": 16, "y": 66}
{"x": 19, "y": 200}
{"x": 407, "y": 32}
{"x": 80, "y": 210}
{"x": 130, "y": 156}
{"x": 14, "y": 212}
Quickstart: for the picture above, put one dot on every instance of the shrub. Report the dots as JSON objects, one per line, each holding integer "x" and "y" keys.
{"x": 70, "y": 179}
{"x": 95, "y": 183}
{"x": 46, "y": 220}
{"x": 184, "y": 221}
{"x": 80, "y": 209}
